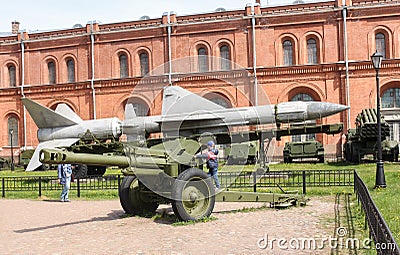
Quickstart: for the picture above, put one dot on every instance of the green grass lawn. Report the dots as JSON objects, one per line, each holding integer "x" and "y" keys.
{"x": 387, "y": 200}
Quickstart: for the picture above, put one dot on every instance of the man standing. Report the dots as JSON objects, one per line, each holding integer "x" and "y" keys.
{"x": 64, "y": 178}
{"x": 212, "y": 162}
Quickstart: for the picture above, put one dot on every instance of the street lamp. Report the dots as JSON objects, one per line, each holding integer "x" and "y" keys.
{"x": 380, "y": 173}
{"x": 12, "y": 152}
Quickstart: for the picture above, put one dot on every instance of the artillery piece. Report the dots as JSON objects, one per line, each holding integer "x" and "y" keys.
{"x": 363, "y": 139}
{"x": 166, "y": 173}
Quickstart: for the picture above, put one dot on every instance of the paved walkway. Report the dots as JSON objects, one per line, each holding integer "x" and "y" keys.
{"x": 99, "y": 227}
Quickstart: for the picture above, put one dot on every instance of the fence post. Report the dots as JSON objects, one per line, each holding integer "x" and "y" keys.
{"x": 304, "y": 182}
{"x": 78, "y": 186}
{"x": 3, "y": 188}
{"x": 255, "y": 181}
{"x": 40, "y": 186}
{"x": 119, "y": 182}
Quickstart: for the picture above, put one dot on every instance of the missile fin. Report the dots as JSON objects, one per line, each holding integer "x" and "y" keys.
{"x": 35, "y": 163}
{"x": 45, "y": 117}
{"x": 67, "y": 111}
{"x": 177, "y": 100}
{"x": 129, "y": 112}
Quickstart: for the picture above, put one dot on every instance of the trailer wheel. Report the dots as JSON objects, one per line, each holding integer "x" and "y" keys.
{"x": 80, "y": 171}
{"x": 96, "y": 170}
{"x": 193, "y": 195}
{"x": 131, "y": 202}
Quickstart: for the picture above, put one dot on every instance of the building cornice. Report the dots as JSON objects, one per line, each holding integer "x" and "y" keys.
{"x": 265, "y": 75}
{"x": 213, "y": 17}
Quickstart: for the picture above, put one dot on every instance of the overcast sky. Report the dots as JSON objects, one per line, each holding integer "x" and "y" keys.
{"x": 52, "y": 15}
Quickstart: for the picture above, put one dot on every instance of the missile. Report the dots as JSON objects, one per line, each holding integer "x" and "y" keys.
{"x": 183, "y": 114}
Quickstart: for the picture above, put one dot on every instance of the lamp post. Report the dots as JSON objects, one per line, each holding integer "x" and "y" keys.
{"x": 12, "y": 152}
{"x": 380, "y": 174}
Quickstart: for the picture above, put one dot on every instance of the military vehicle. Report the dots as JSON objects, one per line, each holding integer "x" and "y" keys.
{"x": 362, "y": 140}
{"x": 164, "y": 172}
{"x": 4, "y": 162}
{"x": 242, "y": 153}
{"x": 300, "y": 150}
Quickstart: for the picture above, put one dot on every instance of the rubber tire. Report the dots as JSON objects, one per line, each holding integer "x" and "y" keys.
{"x": 204, "y": 187}
{"x": 130, "y": 200}
{"x": 96, "y": 170}
{"x": 80, "y": 171}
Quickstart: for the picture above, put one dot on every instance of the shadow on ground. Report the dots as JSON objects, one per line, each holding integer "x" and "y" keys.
{"x": 113, "y": 215}
{"x": 344, "y": 226}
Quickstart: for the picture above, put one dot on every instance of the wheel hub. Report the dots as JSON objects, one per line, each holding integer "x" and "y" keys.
{"x": 193, "y": 197}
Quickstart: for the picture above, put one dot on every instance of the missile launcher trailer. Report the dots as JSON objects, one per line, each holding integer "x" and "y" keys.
{"x": 363, "y": 139}
{"x": 300, "y": 150}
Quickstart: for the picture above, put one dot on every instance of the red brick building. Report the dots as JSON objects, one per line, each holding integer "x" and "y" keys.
{"x": 309, "y": 51}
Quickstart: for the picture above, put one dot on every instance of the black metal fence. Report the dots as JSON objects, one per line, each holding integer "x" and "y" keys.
{"x": 329, "y": 157}
{"x": 283, "y": 179}
{"x": 380, "y": 232}
{"x": 288, "y": 179}
{"x": 48, "y": 183}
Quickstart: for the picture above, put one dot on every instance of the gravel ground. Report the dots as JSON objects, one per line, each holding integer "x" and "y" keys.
{"x": 99, "y": 227}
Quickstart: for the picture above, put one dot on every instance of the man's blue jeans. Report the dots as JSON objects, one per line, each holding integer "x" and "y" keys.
{"x": 213, "y": 172}
{"x": 65, "y": 191}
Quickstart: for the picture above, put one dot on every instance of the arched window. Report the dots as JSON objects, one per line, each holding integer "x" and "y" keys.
{"x": 12, "y": 126}
{"x": 202, "y": 58}
{"x": 141, "y": 108}
{"x": 12, "y": 75}
{"x": 51, "y": 66}
{"x": 306, "y": 137}
{"x": 380, "y": 42}
{"x": 219, "y": 99}
{"x": 391, "y": 98}
{"x": 144, "y": 63}
{"x": 302, "y": 97}
{"x": 225, "y": 55}
{"x": 287, "y": 53}
{"x": 312, "y": 51}
{"x": 123, "y": 66}
{"x": 71, "y": 70}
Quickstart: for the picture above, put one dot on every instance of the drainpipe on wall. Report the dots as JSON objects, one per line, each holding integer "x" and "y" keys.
{"x": 346, "y": 60}
{"x": 253, "y": 25}
{"x": 23, "y": 84}
{"x": 169, "y": 50}
{"x": 92, "y": 79}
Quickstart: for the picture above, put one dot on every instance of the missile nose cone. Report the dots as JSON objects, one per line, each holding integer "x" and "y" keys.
{"x": 317, "y": 110}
